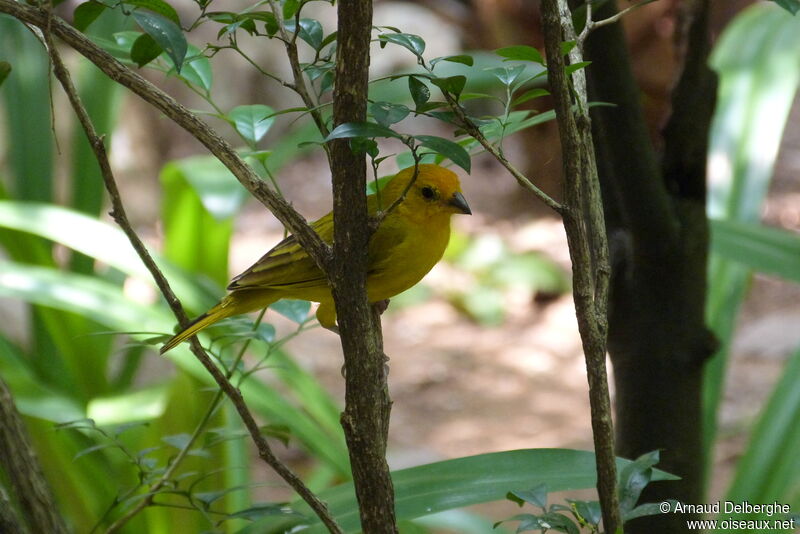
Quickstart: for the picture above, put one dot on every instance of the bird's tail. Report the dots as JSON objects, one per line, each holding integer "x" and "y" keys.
{"x": 233, "y": 304}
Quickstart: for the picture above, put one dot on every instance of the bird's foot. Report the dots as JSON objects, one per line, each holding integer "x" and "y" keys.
{"x": 381, "y": 306}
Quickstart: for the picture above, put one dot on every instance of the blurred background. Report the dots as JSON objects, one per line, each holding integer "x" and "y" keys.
{"x": 485, "y": 353}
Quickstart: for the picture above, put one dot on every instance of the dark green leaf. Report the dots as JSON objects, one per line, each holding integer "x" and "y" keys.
{"x": 294, "y": 310}
{"x": 559, "y": 522}
{"x": 86, "y": 13}
{"x": 311, "y": 32}
{"x": 461, "y": 58}
{"x": 576, "y": 66}
{"x": 157, "y": 6}
{"x": 452, "y": 84}
{"x": 5, "y": 70}
{"x": 536, "y": 496}
{"x": 567, "y": 46}
{"x": 373, "y": 185}
{"x": 166, "y": 33}
{"x": 521, "y": 53}
{"x": 446, "y": 148}
{"x": 364, "y": 145}
{"x": 360, "y": 129}
{"x": 250, "y": 121}
{"x": 419, "y": 91}
{"x": 412, "y": 42}
{"x": 144, "y": 50}
{"x": 386, "y": 113}
{"x": 792, "y": 6}
{"x": 462, "y": 482}
{"x": 634, "y": 478}
{"x": 529, "y": 95}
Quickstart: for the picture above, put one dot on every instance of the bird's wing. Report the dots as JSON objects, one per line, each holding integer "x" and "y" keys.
{"x": 287, "y": 264}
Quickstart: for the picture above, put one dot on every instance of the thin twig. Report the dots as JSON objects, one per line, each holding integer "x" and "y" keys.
{"x": 119, "y": 215}
{"x": 585, "y": 228}
{"x": 299, "y": 86}
{"x": 473, "y": 130}
{"x": 594, "y": 24}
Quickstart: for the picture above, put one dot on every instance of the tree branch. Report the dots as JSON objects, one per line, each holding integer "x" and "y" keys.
{"x": 21, "y": 466}
{"x": 585, "y": 227}
{"x": 472, "y": 129}
{"x": 367, "y": 404}
{"x": 187, "y": 120}
{"x": 119, "y": 215}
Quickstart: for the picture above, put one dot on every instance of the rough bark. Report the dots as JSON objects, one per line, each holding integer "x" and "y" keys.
{"x": 658, "y": 341}
{"x": 20, "y": 464}
{"x": 585, "y": 228}
{"x": 367, "y": 404}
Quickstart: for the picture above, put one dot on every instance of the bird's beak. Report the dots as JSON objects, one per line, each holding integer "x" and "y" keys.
{"x": 460, "y": 203}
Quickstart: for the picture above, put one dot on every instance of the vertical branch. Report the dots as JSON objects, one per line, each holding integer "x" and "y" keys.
{"x": 19, "y": 462}
{"x": 585, "y": 227}
{"x": 367, "y": 404}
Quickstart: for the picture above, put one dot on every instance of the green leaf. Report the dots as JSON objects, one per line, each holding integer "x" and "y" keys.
{"x": 166, "y": 33}
{"x": 450, "y": 484}
{"x": 197, "y": 69}
{"x": 310, "y": 31}
{"x": 449, "y": 149}
{"x": 761, "y": 248}
{"x": 386, "y": 113}
{"x": 536, "y": 496}
{"x": 250, "y": 121}
{"x": 792, "y": 6}
{"x": 290, "y": 8}
{"x": 5, "y": 70}
{"x": 412, "y": 42}
{"x": 86, "y": 13}
{"x": 520, "y": 53}
{"x": 529, "y": 95}
{"x": 576, "y": 66}
{"x": 293, "y": 309}
{"x": 360, "y": 129}
{"x": 508, "y": 75}
{"x": 419, "y": 90}
{"x": 159, "y": 7}
{"x": 464, "y": 59}
{"x": 144, "y": 50}
{"x": 452, "y": 84}
{"x": 634, "y": 478}
{"x": 567, "y": 46}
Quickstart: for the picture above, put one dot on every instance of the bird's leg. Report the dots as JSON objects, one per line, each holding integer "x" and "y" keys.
{"x": 381, "y": 306}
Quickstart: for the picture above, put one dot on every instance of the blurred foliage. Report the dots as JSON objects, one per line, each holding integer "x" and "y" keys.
{"x": 109, "y": 417}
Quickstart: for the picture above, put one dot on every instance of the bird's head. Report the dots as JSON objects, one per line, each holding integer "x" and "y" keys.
{"x": 435, "y": 191}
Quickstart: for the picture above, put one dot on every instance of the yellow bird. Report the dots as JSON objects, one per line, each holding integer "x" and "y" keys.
{"x": 408, "y": 243}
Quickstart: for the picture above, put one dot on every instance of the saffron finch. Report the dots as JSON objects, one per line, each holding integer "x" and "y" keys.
{"x": 409, "y": 241}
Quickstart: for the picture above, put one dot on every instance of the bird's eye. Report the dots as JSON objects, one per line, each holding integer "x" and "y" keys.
{"x": 428, "y": 192}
